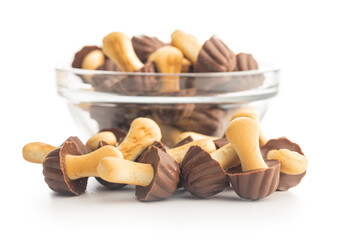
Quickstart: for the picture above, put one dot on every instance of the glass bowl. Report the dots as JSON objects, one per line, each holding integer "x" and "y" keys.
{"x": 197, "y": 102}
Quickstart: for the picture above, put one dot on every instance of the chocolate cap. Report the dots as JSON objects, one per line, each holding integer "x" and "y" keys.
{"x": 145, "y": 45}
{"x": 54, "y": 168}
{"x": 202, "y": 176}
{"x": 166, "y": 176}
{"x": 286, "y": 180}
{"x": 255, "y": 184}
{"x": 215, "y": 56}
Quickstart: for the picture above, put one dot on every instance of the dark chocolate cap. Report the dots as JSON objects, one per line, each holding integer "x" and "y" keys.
{"x": 202, "y": 176}
{"x": 166, "y": 176}
{"x": 54, "y": 168}
{"x": 145, "y": 45}
{"x": 215, "y": 56}
{"x": 245, "y": 62}
{"x": 286, "y": 180}
{"x": 109, "y": 65}
{"x": 255, "y": 184}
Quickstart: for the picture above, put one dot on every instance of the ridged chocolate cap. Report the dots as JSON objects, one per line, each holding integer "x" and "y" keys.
{"x": 215, "y": 56}
{"x": 145, "y": 45}
{"x": 201, "y": 175}
{"x": 286, "y": 180}
{"x": 127, "y": 84}
{"x": 166, "y": 176}
{"x": 256, "y": 184}
{"x": 54, "y": 168}
{"x": 219, "y": 143}
{"x": 245, "y": 62}
{"x": 80, "y": 55}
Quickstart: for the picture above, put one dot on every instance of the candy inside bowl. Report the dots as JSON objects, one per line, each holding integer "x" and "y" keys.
{"x": 196, "y": 107}
{"x": 184, "y": 86}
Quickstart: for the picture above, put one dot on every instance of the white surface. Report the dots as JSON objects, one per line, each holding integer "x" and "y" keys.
{"x": 315, "y": 43}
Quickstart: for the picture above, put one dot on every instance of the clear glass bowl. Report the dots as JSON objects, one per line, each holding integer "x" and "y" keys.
{"x": 198, "y": 102}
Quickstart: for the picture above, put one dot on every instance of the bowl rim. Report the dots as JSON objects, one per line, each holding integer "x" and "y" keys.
{"x": 264, "y": 69}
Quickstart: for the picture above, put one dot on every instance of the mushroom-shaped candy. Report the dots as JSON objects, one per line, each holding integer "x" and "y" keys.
{"x": 203, "y": 173}
{"x": 293, "y": 161}
{"x": 255, "y": 178}
{"x": 67, "y": 168}
{"x": 156, "y": 176}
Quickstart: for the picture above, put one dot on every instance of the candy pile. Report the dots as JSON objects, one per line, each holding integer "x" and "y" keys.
{"x": 254, "y": 166}
{"x": 133, "y": 65}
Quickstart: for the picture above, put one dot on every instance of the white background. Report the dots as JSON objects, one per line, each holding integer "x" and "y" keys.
{"x": 316, "y": 43}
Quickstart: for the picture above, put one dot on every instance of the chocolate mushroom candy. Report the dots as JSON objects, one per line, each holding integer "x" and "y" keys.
{"x": 252, "y": 115}
{"x": 92, "y": 56}
{"x": 254, "y": 178}
{"x": 67, "y": 168}
{"x": 292, "y": 159}
{"x": 156, "y": 177}
{"x": 36, "y": 152}
{"x": 145, "y": 45}
{"x": 118, "y": 47}
{"x": 203, "y": 173}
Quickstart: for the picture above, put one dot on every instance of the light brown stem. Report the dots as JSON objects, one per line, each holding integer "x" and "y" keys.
{"x": 86, "y": 165}
{"x": 118, "y": 170}
{"x": 243, "y": 134}
{"x": 36, "y": 152}
{"x": 226, "y": 156}
{"x": 106, "y": 136}
{"x": 142, "y": 133}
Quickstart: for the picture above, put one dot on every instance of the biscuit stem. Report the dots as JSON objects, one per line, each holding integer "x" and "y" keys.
{"x": 86, "y": 165}
{"x": 36, "y": 152}
{"x": 226, "y": 156}
{"x": 105, "y": 136}
{"x": 243, "y": 134}
{"x": 291, "y": 162}
{"x": 168, "y": 59}
{"x": 118, "y": 170}
{"x": 250, "y": 114}
{"x": 142, "y": 133}
{"x": 118, "y": 47}
{"x": 187, "y": 43}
